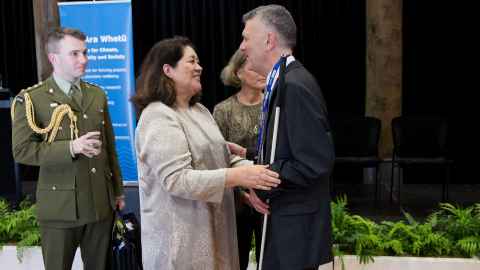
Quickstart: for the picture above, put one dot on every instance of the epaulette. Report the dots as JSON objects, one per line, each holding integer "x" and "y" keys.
{"x": 32, "y": 88}
{"x": 21, "y": 99}
{"x": 92, "y": 84}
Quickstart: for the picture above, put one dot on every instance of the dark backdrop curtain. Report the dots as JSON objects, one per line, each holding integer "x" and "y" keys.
{"x": 17, "y": 66}
{"x": 440, "y": 75}
{"x": 17, "y": 45}
{"x": 439, "y": 71}
{"x": 331, "y": 41}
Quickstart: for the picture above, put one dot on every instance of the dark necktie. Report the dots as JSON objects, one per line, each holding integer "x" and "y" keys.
{"x": 76, "y": 94}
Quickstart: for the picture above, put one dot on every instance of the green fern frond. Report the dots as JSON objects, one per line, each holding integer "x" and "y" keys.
{"x": 394, "y": 245}
{"x": 340, "y": 254}
{"x": 432, "y": 219}
{"x": 469, "y": 245}
{"x": 410, "y": 218}
{"x": 365, "y": 259}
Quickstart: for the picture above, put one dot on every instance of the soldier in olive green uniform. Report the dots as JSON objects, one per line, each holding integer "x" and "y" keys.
{"x": 63, "y": 126}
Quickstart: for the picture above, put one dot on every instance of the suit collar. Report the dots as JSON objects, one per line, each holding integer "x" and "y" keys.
{"x": 290, "y": 59}
{"x": 293, "y": 65}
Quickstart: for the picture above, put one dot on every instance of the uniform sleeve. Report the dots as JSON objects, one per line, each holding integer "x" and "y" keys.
{"x": 30, "y": 148}
{"x": 112, "y": 153}
{"x": 163, "y": 153}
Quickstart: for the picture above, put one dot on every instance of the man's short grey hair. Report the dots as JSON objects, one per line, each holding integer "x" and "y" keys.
{"x": 279, "y": 19}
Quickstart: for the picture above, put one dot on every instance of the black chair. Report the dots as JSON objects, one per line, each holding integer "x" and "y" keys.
{"x": 356, "y": 142}
{"x": 419, "y": 141}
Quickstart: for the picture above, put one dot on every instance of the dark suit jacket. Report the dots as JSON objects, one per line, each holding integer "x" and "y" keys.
{"x": 299, "y": 228}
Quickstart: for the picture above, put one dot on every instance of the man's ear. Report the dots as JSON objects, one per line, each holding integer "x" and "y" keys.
{"x": 271, "y": 41}
{"x": 52, "y": 58}
{"x": 167, "y": 69}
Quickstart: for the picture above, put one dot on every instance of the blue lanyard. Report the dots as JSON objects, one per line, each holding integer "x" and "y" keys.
{"x": 265, "y": 105}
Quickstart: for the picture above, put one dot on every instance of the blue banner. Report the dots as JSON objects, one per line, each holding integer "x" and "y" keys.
{"x": 108, "y": 26}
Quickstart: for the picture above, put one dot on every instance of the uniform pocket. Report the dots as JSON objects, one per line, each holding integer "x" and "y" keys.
{"x": 56, "y": 202}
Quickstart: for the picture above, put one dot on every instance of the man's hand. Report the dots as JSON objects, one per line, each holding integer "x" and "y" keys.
{"x": 120, "y": 202}
{"x": 260, "y": 206}
{"x": 88, "y": 144}
{"x": 237, "y": 149}
{"x": 244, "y": 198}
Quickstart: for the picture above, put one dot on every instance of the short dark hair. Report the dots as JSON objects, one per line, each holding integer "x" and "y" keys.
{"x": 153, "y": 84}
{"x": 278, "y": 18}
{"x": 58, "y": 33}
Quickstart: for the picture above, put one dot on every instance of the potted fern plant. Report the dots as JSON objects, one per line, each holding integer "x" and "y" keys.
{"x": 448, "y": 239}
{"x": 18, "y": 232}
{"x": 20, "y": 226}
{"x": 20, "y": 238}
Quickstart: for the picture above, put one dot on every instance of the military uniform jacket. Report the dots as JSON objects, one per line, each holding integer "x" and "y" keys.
{"x": 70, "y": 191}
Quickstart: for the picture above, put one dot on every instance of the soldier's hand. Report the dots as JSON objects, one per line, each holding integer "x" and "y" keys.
{"x": 88, "y": 144}
{"x": 120, "y": 202}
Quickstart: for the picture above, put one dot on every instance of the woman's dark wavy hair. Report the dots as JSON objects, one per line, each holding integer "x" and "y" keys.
{"x": 153, "y": 84}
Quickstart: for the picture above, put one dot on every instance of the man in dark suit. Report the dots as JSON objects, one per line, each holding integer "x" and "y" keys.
{"x": 299, "y": 230}
{"x": 62, "y": 125}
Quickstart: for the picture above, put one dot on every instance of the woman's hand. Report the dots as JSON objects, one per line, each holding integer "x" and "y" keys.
{"x": 237, "y": 149}
{"x": 254, "y": 176}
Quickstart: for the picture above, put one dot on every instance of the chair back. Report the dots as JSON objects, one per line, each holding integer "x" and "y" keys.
{"x": 356, "y": 136}
{"x": 424, "y": 137}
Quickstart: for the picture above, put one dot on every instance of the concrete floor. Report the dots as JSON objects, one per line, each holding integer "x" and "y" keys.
{"x": 417, "y": 199}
